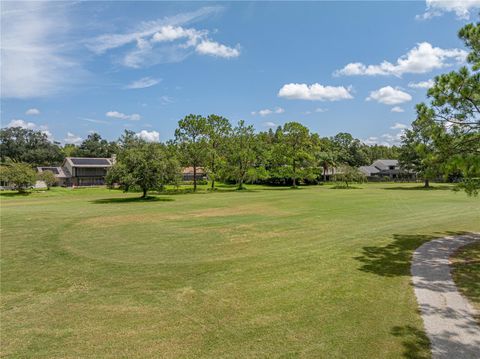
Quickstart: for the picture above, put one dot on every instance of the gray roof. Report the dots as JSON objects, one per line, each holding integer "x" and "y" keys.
{"x": 59, "y": 172}
{"x": 368, "y": 170}
{"x": 89, "y": 162}
{"x": 386, "y": 162}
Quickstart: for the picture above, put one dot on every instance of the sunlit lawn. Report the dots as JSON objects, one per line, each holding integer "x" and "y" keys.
{"x": 271, "y": 272}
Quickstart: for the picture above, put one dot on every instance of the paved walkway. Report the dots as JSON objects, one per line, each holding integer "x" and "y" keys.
{"x": 448, "y": 316}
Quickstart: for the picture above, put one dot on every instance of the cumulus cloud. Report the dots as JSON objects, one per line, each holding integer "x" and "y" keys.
{"x": 389, "y": 139}
{"x": 422, "y": 84}
{"x": 270, "y": 124}
{"x": 213, "y": 48}
{"x": 421, "y": 59}
{"x": 267, "y": 111}
{"x": 32, "y": 112}
{"x": 122, "y": 116}
{"x": 399, "y": 126}
{"x": 397, "y": 109}
{"x": 72, "y": 139}
{"x": 389, "y": 96}
{"x": 34, "y": 60}
{"x": 315, "y": 92}
{"x": 461, "y": 8}
{"x": 31, "y": 126}
{"x": 22, "y": 124}
{"x": 149, "y": 136}
{"x": 144, "y": 82}
{"x": 163, "y": 41}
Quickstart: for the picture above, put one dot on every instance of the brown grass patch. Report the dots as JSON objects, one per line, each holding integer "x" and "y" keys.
{"x": 243, "y": 210}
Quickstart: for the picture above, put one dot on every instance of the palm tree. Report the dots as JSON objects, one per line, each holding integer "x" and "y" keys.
{"x": 326, "y": 160}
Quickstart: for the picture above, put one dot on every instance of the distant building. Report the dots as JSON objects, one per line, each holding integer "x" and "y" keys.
{"x": 187, "y": 174}
{"x": 385, "y": 169}
{"x": 81, "y": 171}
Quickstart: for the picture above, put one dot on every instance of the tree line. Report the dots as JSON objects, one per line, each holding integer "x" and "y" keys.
{"x": 288, "y": 155}
{"x": 237, "y": 154}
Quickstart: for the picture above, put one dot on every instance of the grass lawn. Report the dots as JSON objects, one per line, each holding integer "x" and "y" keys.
{"x": 271, "y": 272}
{"x": 466, "y": 272}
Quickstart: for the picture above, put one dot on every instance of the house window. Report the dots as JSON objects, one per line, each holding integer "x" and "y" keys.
{"x": 391, "y": 167}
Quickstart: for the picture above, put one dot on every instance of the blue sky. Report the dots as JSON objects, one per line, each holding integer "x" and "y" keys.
{"x": 359, "y": 67}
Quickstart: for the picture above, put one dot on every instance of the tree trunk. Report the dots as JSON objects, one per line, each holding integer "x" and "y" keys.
{"x": 144, "y": 192}
{"x": 427, "y": 183}
{"x": 324, "y": 174}
{"x": 294, "y": 174}
{"x": 213, "y": 171}
{"x": 194, "y": 178}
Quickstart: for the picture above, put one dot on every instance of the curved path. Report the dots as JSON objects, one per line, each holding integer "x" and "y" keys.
{"x": 448, "y": 316}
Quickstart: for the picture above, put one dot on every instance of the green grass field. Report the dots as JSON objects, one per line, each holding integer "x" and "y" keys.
{"x": 271, "y": 272}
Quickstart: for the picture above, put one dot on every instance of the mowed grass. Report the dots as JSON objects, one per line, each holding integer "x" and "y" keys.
{"x": 466, "y": 272}
{"x": 271, "y": 272}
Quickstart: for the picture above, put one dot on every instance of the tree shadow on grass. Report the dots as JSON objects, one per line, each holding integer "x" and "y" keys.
{"x": 15, "y": 194}
{"x": 394, "y": 259}
{"x": 344, "y": 187}
{"x": 419, "y": 188}
{"x": 132, "y": 200}
{"x": 415, "y": 342}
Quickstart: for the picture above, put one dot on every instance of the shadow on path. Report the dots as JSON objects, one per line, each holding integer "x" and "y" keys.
{"x": 394, "y": 259}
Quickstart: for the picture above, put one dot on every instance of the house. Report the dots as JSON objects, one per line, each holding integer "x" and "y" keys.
{"x": 385, "y": 169}
{"x": 81, "y": 171}
{"x": 58, "y": 172}
{"x": 187, "y": 174}
{"x": 329, "y": 173}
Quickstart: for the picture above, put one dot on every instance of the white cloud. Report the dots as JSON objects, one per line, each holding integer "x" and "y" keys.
{"x": 399, "y": 126}
{"x": 22, "y": 124}
{"x": 421, "y": 59}
{"x": 397, "y": 109}
{"x": 122, "y": 116}
{"x": 213, "y": 48}
{"x": 267, "y": 111}
{"x": 31, "y": 126}
{"x": 171, "y": 33}
{"x": 387, "y": 139}
{"x": 461, "y": 8}
{"x": 389, "y": 96}
{"x": 422, "y": 84}
{"x": 270, "y": 124}
{"x": 149, "y": 136}
{"x": 32, "y": 111}
{"x": 146, "y": 29}
{"x": 34, "y": 57}
{"x": 372, "y": 140}
{"x": 72, "y": 139}
{"x": 92, "y": 120}
{"x": 165, "y": 100}
{"x": 315, "y": 92}
{"x": 144, "y": 82}
{"x": 317, "y": 110}
{"x": 163, "y": 41}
